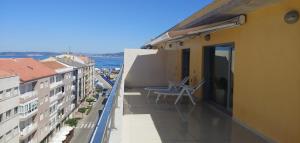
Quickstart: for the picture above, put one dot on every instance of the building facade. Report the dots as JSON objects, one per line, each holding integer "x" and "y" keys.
{"x": 61, "y": 98}
{"x": 46, "y": 98}
{"x": 78, "y": 75}
{"x": 34, "y": 91}
{"x": 9, "y": 101}
{"x": 87, "y": 66}
{"x": 89, "y": 75}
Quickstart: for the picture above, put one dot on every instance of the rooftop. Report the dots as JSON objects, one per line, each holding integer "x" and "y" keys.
{"x": 70, "y": 62}
{"x": 53, "y": 65}
{"x": 4, "y": 74}
{"x": 26, "y": 68}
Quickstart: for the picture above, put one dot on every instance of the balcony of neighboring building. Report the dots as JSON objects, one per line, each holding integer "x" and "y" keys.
{"x": 28, "y": 130}
{"x": 73, "y": 97}
{"x": 28, "y": 110}
{"x": 28, "y": 96}
{"x": 9, "y": 124}
{"x": 56, "y": 81}
{"x": 56, "y": 84}
{"x": 60, "y": 105}
{"x": 73, "y": 88}
{"x": 56, "y": 96}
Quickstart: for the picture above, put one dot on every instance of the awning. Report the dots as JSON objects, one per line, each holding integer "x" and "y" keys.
{"x": 178, "y": 34}
{"x": 61, "y": 135}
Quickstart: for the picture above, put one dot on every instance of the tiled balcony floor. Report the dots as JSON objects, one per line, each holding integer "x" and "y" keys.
{"x": 147, "y": 122}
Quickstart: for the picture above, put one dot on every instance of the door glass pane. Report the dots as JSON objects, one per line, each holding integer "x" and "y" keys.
{"x": 221, "y": 75}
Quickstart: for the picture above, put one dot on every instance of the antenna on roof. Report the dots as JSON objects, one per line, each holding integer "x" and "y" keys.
{"x": 69, "y": 50}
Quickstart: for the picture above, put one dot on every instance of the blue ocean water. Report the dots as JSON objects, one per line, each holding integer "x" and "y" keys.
{"x": 101, "y": 62}
{"x": 108, "y": 62}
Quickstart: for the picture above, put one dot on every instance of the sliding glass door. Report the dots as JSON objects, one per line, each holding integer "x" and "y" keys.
{"x": 218, "y": 71}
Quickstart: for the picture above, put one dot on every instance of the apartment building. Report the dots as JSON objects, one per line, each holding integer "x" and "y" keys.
{"x": 78, "y": 75}
{"x": 87, "y": 65}
{"x": 9, "y": 101}
{"x": 89, "y": 74}
{"x": 61, "y": 97}
{"x": 34, "y": 96}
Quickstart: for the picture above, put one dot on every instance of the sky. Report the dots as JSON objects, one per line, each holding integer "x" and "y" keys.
{"x": 88, "y": 26}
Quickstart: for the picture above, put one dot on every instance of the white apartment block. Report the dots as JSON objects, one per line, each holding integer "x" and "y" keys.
{"x": 9, "y": 102}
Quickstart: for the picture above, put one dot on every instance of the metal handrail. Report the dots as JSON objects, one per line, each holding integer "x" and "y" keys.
{"x": 100, "y": 132}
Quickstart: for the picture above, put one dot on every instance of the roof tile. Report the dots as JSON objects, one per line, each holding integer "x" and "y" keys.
{"x": 26, "y": 68}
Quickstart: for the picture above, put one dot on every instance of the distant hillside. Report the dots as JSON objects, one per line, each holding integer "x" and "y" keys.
{"x": 119, "y": 54}
{"x": 29, "y": 54}
{"x": 49, "y": 54}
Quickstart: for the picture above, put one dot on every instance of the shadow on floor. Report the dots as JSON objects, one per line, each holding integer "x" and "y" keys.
{"x": 185, "y": 122}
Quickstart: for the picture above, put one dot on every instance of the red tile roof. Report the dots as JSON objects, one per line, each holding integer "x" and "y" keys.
{"x": 53, "y": 65}
{"x": 26, "y": 68}
{"x": 5, "y": 74}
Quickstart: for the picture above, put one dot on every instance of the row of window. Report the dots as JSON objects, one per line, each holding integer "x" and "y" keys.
{"x": 9, "y": 135}
{"x": 8, "y": 114}
{"x": 27, "y": 87}
{"x": 60, "y": 77}
{"x": 56, "y": 78}
{"x": 52, "y": 109}
{"x": 4, "y": 94}
{"x": 28, "y": 108}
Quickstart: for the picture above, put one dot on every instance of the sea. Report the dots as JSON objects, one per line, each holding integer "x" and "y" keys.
{"x": 100, "y": 62}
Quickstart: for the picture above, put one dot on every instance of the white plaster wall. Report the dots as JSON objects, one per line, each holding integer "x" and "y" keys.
{"x": 145, "y": 67}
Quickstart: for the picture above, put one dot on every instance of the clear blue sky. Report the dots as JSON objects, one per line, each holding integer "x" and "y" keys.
{"x": 98, "y": 26}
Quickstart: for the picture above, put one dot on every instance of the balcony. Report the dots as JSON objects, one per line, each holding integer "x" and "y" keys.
{"x": 73, "y": 88}
{"x": 72, "y": 97}
{"x": 129, "y": 116}
{"x": 28, "y": 131}
{"x": 73, "y": 77}
{"x": 55, "y": 84}
{"x": 166, "y": 122}
{"x": 24, "y": 116}
{"x": 28, "y": 96}
{"x": 56, "y": 97}
{"x": 60, "y": 95}
{"x": 72, "y": 107}
{"x": 60, "y": 105}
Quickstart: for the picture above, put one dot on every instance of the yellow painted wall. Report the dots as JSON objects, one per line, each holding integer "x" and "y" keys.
{"x": 172, "y": 66}
{"x": 267, "y": 70}
{"x": 196, "y": 56}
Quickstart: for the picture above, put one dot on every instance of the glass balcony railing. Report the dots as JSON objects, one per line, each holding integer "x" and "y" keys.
{"x": 102, "y": 129}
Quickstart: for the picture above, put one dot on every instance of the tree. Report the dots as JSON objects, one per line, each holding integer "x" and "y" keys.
{"x": 82, "y": 110}
{"x": 71, "y": 122}
{"x": 99, "y": 89}
{"x": 90, "y": 100}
